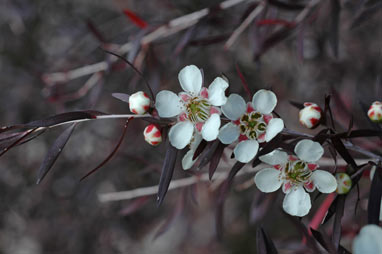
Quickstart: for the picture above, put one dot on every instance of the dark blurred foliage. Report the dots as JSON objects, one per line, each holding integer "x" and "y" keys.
{"x": 63, "y": 215}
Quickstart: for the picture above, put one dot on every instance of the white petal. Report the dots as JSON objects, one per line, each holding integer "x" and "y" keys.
{"x": 308, "y": 150}
{"x": 187, "y": 161}
{"x": 267, "y": 180}
{"x": 297, "y": 202}
{"x": 190, "y": 79}
{"x": 276, "y": 157}
{"x": 210, "y": 129}
{"x": 195, "y": 141}
{"x": 264, "y": 101}
{"x": 168, "y": 104}
{"x": 180, "y": 134}
{"x": 324, "y": 181}
{"x": 368, "y": 241}
{"x": 275, "y": 126}
{"x": 234, "y": 107}
{"x": 229, "y": 133}
{"x": 216, "y": 92}
{"x": 246, "y": 150}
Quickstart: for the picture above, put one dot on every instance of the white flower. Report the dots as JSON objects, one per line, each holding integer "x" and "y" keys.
{"x": 251, "y": 123}
{"x": 295, "y": 174}
{"x": 310, "y": 115}
{"x": 368, "y": 241}
{"x": 195, "y": 108}
{"x": 139, "y": 103}
{"x": 375, "y": 112}
{"x": 152, "y": 135}
{"x": 187, "y": 161}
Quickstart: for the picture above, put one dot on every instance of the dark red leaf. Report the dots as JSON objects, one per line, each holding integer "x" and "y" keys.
{"x": 375, "y": 196}
{"x": 324, "y": 240}
{"x": 216, "y": 159}
{"x": 199, "y": 149}
{"x": 243, "y": 81}
{"x": 94, "y": 30}
{"x": 264, "y": 244}
{"x": 297, "y": 105}
{"x": 275, "y": 22}
{"x": 135, "y": 19}
{"x": 328, "y": 113}
{"x": 166, "y": 173}
{"x": 121, "y": 96}
{"x": 340, "y": 205}
{"x": 206, "y": 156}
{"x": 134, "y": 206}
{"x": 341, "y": 149}
{"x": 53, "y": 153}
{"x": 112, "y": 152}
{"x": 286, "y": 5}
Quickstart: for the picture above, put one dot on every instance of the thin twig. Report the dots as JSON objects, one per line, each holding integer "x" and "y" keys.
{"x": 174, "y": 26}
{"x": 181, "y": 183}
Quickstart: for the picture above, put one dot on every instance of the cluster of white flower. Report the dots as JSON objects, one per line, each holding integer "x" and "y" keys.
{"x": 198, "y": 111}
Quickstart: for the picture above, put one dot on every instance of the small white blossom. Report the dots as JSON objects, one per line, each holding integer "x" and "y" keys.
{"x": 296, "y": 175}
{"x": 310, "y": 115}
{"x": 195, "y": 108}
{"x": 251, "y": 123}
{"x": 375, "y": 112}
{"x": 368, "y": 241}
{"x": 139, "y": 103}
{"x": 152, "y": 135}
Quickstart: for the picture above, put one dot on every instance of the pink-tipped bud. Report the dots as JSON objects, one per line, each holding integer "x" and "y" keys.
{"x": 310, "y": 115}
{"x": 343, "y": 183}
{"x": 375, "y": 112}
{"x": 152, "y": 134}
{"x": 139, "y": 103}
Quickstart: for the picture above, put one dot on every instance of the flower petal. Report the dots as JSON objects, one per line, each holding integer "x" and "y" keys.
{"x": 210, "y": 129}
{"x": 276, "y": 157}
{"x": 190, "y": 79}
{"x": 264, "y": 101}
{"x": 368, "y": 240}
{"x": 275, "y": 126}
{"x": 216, "y": 92}
{"x": 308, "y": 150}
{"x": 187, "y": 161}
{"x": 229, "y": 133}
{"x": 234, "y": 107}
{"x": 324, "y": 181}
{"x": 195, "y": 141}
{"x": 246, "y": 150}
{"x": 297, "y": 202}
{"x": 180, "y": 134}
{"x": 267, "y": 180}
{"x": 168, "y": 104}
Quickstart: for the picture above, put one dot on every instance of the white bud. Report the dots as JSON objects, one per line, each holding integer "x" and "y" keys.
{"x": 310, "y": 115}
{"x": 139, "y": 103}
{"x": 375, "y": 112}
{"x": 153, "y": 135}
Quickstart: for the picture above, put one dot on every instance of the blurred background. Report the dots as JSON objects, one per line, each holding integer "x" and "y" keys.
{"x": 335, "y": 48}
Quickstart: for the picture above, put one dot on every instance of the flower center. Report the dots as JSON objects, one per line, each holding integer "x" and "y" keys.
{"x": 198, "y": 109}
{"x": 252, "y": 125}
{"x": 297, "y": 172}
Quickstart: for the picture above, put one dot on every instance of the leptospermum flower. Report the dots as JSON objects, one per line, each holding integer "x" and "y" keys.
{"x": 195, "y": 108}
{"x": 251, "y": 123}
{"x": 368, "y": 241}
{"x": 295, "y": 174}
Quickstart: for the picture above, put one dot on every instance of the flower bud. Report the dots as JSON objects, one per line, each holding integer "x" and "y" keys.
{"x": 375, "y": 112}
{"x": 139, "y": 103}
{"x": 310, "y": 115}
{"x": 152, "y": 134}
{"x": 343, "y": 183}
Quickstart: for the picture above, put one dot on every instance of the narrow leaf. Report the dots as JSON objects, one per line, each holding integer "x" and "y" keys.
{"x": 215, "y": 159}
{"x": 324, "y": 240}
{"x": 135, "y": 19}
{"x": 94, "y": 30}
{"x": 121, "y": 96}
{"x": 53, "y": 153}
{"x": 111, "y": 154}
{"x": 199, "y": 149}
{"x": 375, "y": 196}
{"x": 264, "y": 244}
{"x": 166, "y": 173}
{"x": 243, "y": 81}
{"x": 341, "y": 149}
{"x": 206, "y": 156}
{"x": 340, "y": 205}
{"x": 290, "y": 6}
{"x": 335, "y": 8}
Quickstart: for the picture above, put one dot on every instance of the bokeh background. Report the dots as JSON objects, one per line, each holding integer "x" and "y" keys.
{"x": 63, "y": 215}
